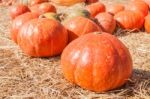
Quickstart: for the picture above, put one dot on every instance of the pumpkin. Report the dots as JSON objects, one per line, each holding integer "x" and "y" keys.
{"x": 17, "y": 10}
{"x": 95, "y": 8}
{"x": 78, "y": 26}
{"x": 147, "y": 23}
{"x": 34, "y": 2}
{"x": 139, "y": 5}
{"x": 42, "y": 38}
{"x": 91, "y": 1}
{"x": 50, "y": 15}
{"x": 18, "y": 23}
{"x": 97, "y": 61}
{"x": 106, "y": 22}
{"x": 130, "y": 19}
{"x": 43, "y": 8}
{"x": 114, "y": 9}
{"x": 67, "y": 2}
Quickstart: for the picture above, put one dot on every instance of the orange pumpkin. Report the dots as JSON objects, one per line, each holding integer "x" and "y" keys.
{"x": 139, "y": 5}
{"x": 34, "y": 2}
{"x": 106, "y": 22}
{"x": 42, "y": 37}
{"x": 129, "y": 19}
{"x": 67, "y": 2}
{"x": 97, "y": 62}
{"x": 17, "y": 10}
{"x": 78, "y": 26}
{"x": 147, "y": 23}
{"x": 114, "y": 9}
{"x": 43, "y": 8}
{"x": 91, "y": 1}
{"x": 18, "y": 22}
{"x": 95, "y": 8}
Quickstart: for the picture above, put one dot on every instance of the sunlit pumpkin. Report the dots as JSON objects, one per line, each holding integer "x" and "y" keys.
{"x": 147, "y": 23}
{"x": 42, "y": 38}
{"x": 114, "y": 9}
{"x": 106, "y": 21}
{"x": 78, "y": 26}
{"x": 19, "y": 21}
{"x": 97, "y": 62}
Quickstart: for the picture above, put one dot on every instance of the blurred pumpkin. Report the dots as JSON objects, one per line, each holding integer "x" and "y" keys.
{"x": 78, "y": 26}
{"x": 18, "y": 23}
{"x": 147, "y": 23}
{"x": 17, "y": 10}
{"x": 97, "y": 62}
{"x": 130, "y": 19}
{"x": 95, "y": 8}
{"x": 42, "y": 38}
{"x": 91, "y": 1}
{"x": 114, "y": 9}
{"x": 106, "y": 21}
{"x": 67, "y": 2}
{"x": 35, "y": 2}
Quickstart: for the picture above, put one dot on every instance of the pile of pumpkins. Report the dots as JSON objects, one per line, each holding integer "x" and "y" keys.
{"x": 91, "y": 56}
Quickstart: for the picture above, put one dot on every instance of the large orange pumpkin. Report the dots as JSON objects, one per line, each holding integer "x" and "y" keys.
{"x": 114, "y": 9}
{"x": 95, "y": 8}
{"x": 43, "y": 8}
{"x": 138, "y": 5}
{"x": 130, "y": 19}
{"x": 34, "y": 2}
{"x": 42, "y": 37}
{"x": 18, "y": 22}
{"x": 67, "y": 2}
{"x": 17, "y": 10}
{"x": 78, "y": 26}
{"x": 147, "y": 23}
{"x": 106, "y": 22}
{"x": 97, "y": 62}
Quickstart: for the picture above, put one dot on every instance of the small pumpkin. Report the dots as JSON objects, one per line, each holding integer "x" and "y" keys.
{"x": 43, "y": 8}
{"x": 91, "y": 1}
{"x": 95, "y": 8}
{"x": 138, "y": 5}
{"x": 114, "y": 9}
{"x": 106, "y": 21}
{"x": 18, "y": 23}
{"x": 35, "y": 2}
{"x": 78, "y": 26}
{"x": 147, "y": 23}
{"x": 67, "y": 2}
{"x": 42, "y": 38}
{"x": 97, "y": 62}
{"x": 17, "y": 10}
{"x": 130, "y": 19}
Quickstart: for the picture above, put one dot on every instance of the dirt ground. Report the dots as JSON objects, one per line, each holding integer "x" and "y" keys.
{"x": 23, "y": 77}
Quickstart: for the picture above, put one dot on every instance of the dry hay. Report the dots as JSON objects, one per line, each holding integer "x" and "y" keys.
{"x": 22, "y": 77}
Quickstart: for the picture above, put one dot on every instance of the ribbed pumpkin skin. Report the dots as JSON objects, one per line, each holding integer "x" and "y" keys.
{"x": 67, "y": 2}
{"x": 97, "y": 62}
{"x": 129, "y": 19}
{"x": 78, "y": 26}
{"x": 19, "y": 21}
{"x": 91, "y": 1}
{"x": 95, "y": 8}
{"x": 43, "y": 8}
{"x": 139, "y": 5}
{"x": 42, "y": 38}
{"x": 147, "y": 23}
{"x": 34, "y": 2}
{"x": 106, "y": 22}
{"x": 114, "y": 9}
{"x": 17, "y": 10}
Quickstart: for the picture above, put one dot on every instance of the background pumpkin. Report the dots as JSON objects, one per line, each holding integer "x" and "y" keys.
{"x": 114, "y": 9}
{"x": 147, "y": 23}
{"x": 78, "y": 26}
{"x": 130, "y": 19}
{"x": 67, "y": 2}
{"x": 106, "y": 21}
{"x": 19, "y": 21}
{"x": 17, "y": 10}
{"x": 42, "y": 37}
{"x": 97, "y": 62}
{"x": 95, "y": 8}
{"x": 34, "y": 2}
